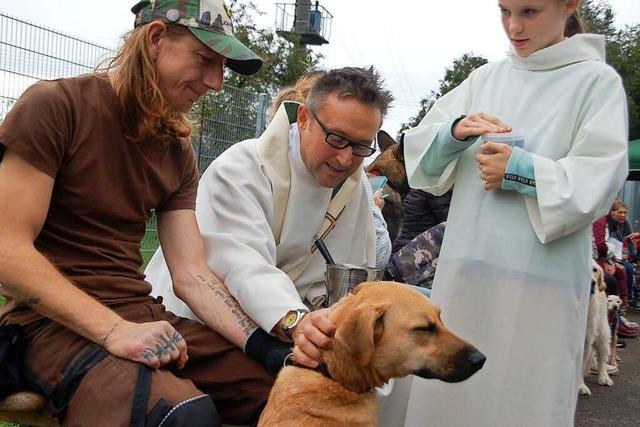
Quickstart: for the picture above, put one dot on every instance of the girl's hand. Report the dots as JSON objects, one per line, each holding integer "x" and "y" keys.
{"x": 492, "y": 161}
{"x": 478, "y": 124}
{"x": 377, "y": 198}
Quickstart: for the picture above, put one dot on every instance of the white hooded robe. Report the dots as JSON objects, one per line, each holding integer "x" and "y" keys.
{"x": 513, "y": 274}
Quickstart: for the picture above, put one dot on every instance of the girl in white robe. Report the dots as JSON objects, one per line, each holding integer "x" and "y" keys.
{"x": 513, "y": 273}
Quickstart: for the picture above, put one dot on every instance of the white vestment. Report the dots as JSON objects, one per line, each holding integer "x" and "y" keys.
{"x": 513, "y": 274}
{"x": 258, "y": 208}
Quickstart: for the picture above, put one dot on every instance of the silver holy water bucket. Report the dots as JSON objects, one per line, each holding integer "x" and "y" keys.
{"x": 340, "y": 279}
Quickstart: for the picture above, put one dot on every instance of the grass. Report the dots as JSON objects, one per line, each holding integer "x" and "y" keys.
{"x": 148, "y": 247}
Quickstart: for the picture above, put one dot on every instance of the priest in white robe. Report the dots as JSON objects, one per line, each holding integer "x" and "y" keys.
{"x": 262, "y": 201}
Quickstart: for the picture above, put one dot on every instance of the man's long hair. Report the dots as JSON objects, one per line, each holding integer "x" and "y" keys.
{"x": 145, "y": 114}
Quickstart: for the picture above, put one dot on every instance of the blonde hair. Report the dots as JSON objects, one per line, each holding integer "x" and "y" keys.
{"x": 297, "y": 92}
{"x": 617, "y": 205}
{"x": 144, "y": 111}
{"x": 574, "y": 24}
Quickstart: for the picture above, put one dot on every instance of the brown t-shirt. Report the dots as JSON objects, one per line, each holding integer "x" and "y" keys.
{"x": 105, "y": 186}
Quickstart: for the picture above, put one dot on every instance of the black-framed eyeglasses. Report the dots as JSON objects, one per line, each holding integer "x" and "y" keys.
{"x": 340, "y": 142}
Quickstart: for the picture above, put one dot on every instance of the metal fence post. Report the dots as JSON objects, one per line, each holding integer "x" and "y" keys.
{"x": 261, "y": 113}
{"x": 200, "y": 141}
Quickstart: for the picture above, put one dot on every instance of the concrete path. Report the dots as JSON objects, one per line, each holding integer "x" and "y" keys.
{"x": 618, "y": 405}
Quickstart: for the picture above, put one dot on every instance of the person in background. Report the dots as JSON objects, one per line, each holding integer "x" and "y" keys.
{"x": 514, "y": 268}
{"x": 619, "y": 229}
{"x": 99, "y": 152}
{"x": 422, "y": 211}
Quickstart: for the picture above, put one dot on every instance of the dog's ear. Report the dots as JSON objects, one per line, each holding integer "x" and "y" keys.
{"x": 602, "y": 286}
{"x": 400, "y": 150}
{"x": 361, "y": 330}
{"x": 384, "y": 140}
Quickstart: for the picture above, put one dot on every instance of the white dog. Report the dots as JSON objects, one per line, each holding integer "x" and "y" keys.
{"x": 598, "y": 335}
{"x": 614, "y": 303}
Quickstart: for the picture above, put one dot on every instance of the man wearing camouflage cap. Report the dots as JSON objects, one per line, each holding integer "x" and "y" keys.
{"x": 98, "y": 152}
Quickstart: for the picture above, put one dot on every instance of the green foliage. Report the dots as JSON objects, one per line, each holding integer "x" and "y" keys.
{"x": 459, "y": 71}
{"x": 284, "y": 61}
{"x": 623, "y": 53}
{"x": 453, "y": 76}
{"x": 598, "y": 17}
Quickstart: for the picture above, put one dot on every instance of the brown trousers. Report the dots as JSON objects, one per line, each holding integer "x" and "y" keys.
{"x": 238, "y": 386}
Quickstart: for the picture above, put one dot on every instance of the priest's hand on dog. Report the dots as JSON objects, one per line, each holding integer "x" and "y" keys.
{"x": 314, "y": 332}
{"x": 492, "y": 161}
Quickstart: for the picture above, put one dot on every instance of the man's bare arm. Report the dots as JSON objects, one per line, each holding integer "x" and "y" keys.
{"x": 26, "y": 274}
{"x": 195, "y": 283}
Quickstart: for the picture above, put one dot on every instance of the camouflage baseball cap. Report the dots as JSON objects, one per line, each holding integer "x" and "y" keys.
{"x": 209, "y": 21}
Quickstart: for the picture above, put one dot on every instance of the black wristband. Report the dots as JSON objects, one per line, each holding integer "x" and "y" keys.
{"x": 453, "y": 125}
{"x": 267, "y": 350}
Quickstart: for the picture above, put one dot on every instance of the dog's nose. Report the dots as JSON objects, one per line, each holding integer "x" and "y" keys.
{"x": 476, "y": 359}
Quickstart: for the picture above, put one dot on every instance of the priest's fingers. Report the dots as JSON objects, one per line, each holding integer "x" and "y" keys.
{"x": 306, "y": 353}
{"x": 315, "y": 331}
{"x": 320, "y": 319}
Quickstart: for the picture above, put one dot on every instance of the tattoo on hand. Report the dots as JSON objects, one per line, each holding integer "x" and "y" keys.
{"x": 147, "y": 355}
{"x": 168, "y": 343}
{"x": 176, "y": 337}
{"x": 245, "y": 322}
{"x": 160, "y": 350}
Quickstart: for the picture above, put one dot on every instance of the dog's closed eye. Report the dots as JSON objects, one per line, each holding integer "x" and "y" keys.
{"x": 428, "y": 328}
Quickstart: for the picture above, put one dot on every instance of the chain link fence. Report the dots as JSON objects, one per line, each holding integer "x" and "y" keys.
{"x": 223, "y": 119}
{"x": 30, "y": 52}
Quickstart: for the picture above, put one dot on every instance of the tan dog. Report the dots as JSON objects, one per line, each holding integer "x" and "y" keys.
{"x": 384, "y": 330}
{"x": 598, "y": 334}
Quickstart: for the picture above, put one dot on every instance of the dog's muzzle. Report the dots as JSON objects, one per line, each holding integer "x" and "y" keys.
{"x": 463, "y": 365}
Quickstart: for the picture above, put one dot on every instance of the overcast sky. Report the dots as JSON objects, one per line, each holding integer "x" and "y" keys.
{"x": 409, "y": 42}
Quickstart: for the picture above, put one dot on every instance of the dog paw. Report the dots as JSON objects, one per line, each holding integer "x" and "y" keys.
{"x": 605, "y": 380}
{"x": 583, "y": 390}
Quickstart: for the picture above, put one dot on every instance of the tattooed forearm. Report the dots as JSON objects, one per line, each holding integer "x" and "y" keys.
{"x": 219, "y": 291}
